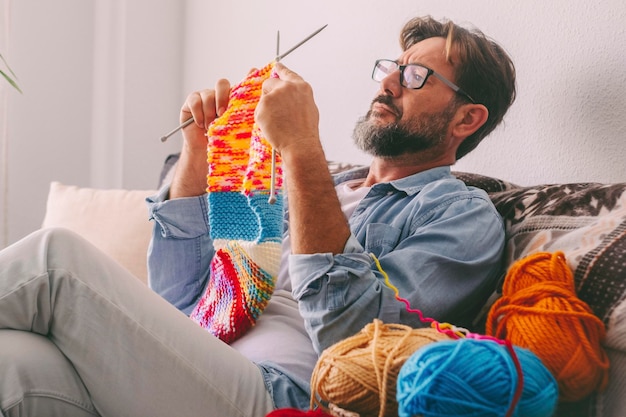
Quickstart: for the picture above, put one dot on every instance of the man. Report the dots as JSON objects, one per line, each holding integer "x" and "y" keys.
{"x": 87, "y": 339}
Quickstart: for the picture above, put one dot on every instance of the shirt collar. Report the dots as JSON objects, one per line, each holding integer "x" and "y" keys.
{"x": 410, "y": 185}
{"x": 413, "y": 184}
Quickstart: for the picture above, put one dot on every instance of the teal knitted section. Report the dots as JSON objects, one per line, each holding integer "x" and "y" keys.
{"x": 231, "y": 217}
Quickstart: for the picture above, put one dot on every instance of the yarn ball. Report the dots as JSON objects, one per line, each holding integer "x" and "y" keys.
{"x": 539, "y": 310}
{"x": 471, "y": 377}
{"x": 359, "y": 373}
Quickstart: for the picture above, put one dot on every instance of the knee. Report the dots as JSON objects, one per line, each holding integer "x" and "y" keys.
{"x": 37, "y": 379}
{"x": 31, "y": 255}
{"x": 63, "y": 247}
{"x": 46, "y": 240}
{"x": 60, "y": 236}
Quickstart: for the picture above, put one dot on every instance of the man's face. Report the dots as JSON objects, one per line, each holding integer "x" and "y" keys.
{"x": 402, "y": 136}
{"x": 401, "y": 120}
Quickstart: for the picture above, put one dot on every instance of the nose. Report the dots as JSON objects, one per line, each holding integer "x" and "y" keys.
{"x": 390, "y": 85}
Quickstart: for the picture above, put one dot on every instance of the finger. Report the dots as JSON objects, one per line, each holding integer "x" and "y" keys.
{"x": 252, "y": 70}
{"x": 285, "y": 73}
{"x": 268, "y": 85}
{"x": 222, "y": 91}
{"x": 208, "y": 106}
{"x": 193, "y": 108}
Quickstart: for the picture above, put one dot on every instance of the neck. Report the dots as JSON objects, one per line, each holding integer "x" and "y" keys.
{"x": 390, "y": 169}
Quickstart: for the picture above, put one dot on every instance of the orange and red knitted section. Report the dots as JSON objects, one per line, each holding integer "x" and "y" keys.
{"x": 246, "y": 229}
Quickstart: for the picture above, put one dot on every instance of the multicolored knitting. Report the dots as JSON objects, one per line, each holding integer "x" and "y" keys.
{"x": 246, "y": 229}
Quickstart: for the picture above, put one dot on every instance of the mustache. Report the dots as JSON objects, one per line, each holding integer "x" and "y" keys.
{"x": 388, "y": 101}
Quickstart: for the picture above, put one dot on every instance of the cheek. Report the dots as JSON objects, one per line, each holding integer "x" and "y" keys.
{"x": 415, "y": 104}
{"x": 413, "y": 111}
{"x": 417, "y": 108}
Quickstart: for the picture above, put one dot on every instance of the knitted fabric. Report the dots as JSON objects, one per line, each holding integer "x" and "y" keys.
{"x": 246, "y": 229}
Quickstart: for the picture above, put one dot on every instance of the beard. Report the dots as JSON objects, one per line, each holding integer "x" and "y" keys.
{"x": 402, "y": 137}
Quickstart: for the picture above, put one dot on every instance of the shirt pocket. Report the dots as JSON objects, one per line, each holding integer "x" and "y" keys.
{"x": 381, "y": 238}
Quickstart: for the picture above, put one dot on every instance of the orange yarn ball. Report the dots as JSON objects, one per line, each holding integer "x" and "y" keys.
{"x": 539, "y": 310}
{"x": 360, "y": 373}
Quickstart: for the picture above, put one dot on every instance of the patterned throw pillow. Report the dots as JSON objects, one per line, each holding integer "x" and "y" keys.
{"x": 587, "y": 221}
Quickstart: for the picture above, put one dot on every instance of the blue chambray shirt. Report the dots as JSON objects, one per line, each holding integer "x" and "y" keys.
{"x": 439, "y": 241}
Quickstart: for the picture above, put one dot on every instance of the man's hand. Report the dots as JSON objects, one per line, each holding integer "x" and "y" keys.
{"x": 204, "y": 106}
{"x": 286, "y": 113}
{"x": 289, "y": 120}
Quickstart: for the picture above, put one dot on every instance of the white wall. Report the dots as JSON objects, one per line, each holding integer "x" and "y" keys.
{"x": 567, "y": 124}
{"x": 104, "y": 79}
{"x": 102, "y": 83}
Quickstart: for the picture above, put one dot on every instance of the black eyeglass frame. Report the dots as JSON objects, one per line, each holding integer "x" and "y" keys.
{"x": 429, "y": 72}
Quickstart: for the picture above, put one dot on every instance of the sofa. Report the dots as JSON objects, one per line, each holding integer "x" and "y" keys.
{"x": 586, "y": 221}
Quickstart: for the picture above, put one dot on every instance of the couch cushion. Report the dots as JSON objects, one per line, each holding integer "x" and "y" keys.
{"x": 116, "y": 221}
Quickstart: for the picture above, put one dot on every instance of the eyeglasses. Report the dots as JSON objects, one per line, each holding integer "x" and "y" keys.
{"x": 412, "y": 76}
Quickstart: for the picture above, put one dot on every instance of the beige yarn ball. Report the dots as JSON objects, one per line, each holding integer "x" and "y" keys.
{"x": 359, "y": 373}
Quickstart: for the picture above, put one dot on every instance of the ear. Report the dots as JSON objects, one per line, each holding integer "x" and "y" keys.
{"x": 469, "y": 118}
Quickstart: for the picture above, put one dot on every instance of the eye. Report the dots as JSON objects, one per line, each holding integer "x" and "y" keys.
{"x": 415, "y": 76}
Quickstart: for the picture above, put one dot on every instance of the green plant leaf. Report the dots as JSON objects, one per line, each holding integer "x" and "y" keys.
{"x": 10, "y": 81}
{"x": 8, "y": 78}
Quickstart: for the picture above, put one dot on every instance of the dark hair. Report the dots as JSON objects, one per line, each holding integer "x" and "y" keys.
{"x": 482, "y": 68}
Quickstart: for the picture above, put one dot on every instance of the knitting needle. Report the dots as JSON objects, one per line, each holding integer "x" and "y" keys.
{"x": 299, "y": 44}
{"x": 182, "y": 126}
{"x": 272, "y": 198}
{"x": 188, "y": 121}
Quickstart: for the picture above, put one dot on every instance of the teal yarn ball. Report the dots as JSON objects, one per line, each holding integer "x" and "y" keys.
{"x": 471, "y": 377}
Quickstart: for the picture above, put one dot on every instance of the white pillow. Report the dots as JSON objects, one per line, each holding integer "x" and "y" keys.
{"x": 116, "y": 221}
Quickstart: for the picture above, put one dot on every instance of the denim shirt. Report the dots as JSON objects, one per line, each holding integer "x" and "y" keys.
{"x": 439, "y": 242}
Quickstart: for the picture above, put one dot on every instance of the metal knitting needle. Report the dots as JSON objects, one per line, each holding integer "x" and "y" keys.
{"x": 272, "y": 198}
{"x": 182, "y": 126}
{"x": 190, "y": 120}
{"x": 299, "y": 44}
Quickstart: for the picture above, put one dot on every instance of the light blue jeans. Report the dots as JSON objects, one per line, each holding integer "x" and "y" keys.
{"x": 80, "y": 336}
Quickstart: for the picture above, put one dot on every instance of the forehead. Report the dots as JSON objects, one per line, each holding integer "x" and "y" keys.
{"x": 430, "y": 52}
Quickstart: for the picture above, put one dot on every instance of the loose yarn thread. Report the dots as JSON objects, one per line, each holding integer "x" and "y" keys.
{"x": 458, "y": 399}
{"x": 360, "y": 372}
{"x": 539, "y": 310}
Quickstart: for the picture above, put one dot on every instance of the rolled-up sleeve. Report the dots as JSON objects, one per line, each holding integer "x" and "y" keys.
{"x": 180, "y": 250}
